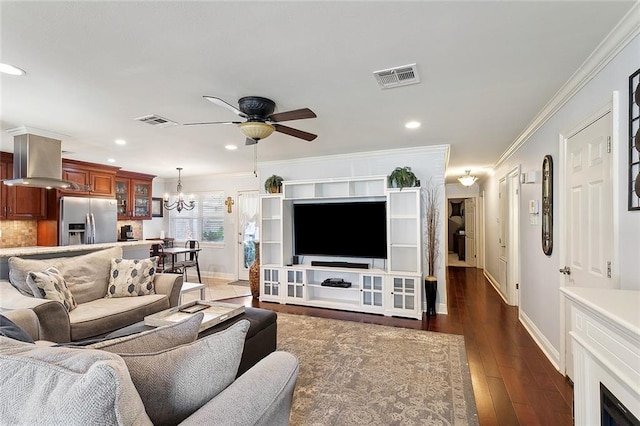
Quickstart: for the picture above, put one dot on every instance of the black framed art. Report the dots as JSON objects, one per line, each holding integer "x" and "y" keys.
{"x": 634, "y": 141}
{"x": 156, "y": 207}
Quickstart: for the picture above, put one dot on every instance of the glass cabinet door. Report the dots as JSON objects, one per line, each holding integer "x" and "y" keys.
{"x": 372, "y": 291}
{"x": 122, "y": 197}
{"x": 404, "y": 293}
{"x": 295, "y": 284}
{"x": 141, "y": 199}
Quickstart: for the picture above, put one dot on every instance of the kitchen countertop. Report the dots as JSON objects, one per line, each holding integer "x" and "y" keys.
{"x": 37, "y": 250}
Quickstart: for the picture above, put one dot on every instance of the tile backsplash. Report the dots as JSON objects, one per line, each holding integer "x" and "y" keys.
{"x": 18, "y": 233}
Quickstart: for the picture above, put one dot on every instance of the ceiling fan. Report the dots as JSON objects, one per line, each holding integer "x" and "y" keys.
{"x": 261, "y": 120}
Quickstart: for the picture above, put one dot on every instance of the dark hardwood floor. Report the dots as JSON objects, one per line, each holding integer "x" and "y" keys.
{"x": 513, "y": 381}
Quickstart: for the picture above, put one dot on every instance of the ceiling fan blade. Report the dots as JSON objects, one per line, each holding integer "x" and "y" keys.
{"x": 250, "y": 141}
{"x": 296, "y": 114}
{"x": 294, "y": 132}
{"x": 212, "y": 122}
{"x": 225, "y": 104}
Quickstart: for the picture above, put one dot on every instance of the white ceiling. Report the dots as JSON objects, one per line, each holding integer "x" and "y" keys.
{"x": 486, "y": 70}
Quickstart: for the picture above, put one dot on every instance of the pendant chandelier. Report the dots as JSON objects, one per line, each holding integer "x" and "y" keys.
{"x": 467, "y": 180}
{"x": 179, "y": 204}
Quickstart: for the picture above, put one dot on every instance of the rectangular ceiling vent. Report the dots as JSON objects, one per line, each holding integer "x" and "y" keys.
{"x": 398, "y": 76}
{"x": 157, "y": 121}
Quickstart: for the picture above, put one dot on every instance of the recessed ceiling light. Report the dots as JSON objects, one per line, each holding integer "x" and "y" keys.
{"x": 121, "y": 142}
{"x": 111, "y": 160}
{"x": 412, "y": 125}
{"x": 11, "y": 70}
{"x": 231, "y": 147}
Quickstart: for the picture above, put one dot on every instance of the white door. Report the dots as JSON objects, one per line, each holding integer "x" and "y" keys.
{"x": 470, "y": 231}
{"x": 247, "y": 208}
{"x": 588, "y": 243}
{"x": 589, "y": 215}
{"x": 513, "y": 238}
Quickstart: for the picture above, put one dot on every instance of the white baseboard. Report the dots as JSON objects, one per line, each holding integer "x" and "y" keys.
{"x": 495, "y": 284}
{"x": 547, "y": 348}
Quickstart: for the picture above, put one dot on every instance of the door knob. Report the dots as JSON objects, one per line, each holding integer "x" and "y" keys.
{"x": 566, "y": 270}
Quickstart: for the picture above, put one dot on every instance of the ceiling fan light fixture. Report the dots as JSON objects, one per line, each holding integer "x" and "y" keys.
{"x": 256, "y": 130}
{"x": 467, "y": 180}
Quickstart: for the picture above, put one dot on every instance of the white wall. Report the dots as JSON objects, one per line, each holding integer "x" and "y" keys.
{"x": 540, "y": 280}
{"x": 426, "y": 162}
{"x": 216, "y": 260}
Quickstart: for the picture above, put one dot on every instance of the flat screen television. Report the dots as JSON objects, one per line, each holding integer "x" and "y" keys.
{"x": 352, "y": 229}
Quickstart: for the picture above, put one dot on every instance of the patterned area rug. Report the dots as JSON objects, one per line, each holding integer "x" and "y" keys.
{"x": 365, "y": 374}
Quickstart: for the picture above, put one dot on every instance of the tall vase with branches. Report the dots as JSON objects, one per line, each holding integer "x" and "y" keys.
{"x": 432, "y": 243}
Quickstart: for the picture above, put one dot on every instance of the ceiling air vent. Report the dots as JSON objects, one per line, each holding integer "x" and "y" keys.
{"x": 157, "y": 121}
{"x": 398, "y": 76}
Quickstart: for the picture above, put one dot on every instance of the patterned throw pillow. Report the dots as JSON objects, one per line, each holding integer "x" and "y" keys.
{"x": 50, "y": 284}
{"x": 132, "y": 277}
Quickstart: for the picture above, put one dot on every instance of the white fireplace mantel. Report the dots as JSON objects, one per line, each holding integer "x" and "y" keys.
{"x": 605, "y": 329}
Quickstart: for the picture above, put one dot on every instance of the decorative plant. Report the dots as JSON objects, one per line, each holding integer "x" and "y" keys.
{"x": 273, "y": 184}
{"x": 402, "y": 177}
{"x": 432, "y": 218}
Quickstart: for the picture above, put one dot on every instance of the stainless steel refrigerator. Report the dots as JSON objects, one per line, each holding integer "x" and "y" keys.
{"x": 88, "y": 220}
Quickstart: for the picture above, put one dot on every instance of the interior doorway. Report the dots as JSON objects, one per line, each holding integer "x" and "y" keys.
{"x": 462, "y": 223}
{"x": 248, "y": 232}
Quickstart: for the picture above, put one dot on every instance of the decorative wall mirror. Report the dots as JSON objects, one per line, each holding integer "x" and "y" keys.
{"x": 547, "y": 205}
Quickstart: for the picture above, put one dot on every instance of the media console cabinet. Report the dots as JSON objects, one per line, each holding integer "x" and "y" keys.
{"x": 389, "y": 287}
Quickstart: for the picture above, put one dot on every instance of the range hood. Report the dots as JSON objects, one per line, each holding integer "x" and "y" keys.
{"x": 37, "y": 162}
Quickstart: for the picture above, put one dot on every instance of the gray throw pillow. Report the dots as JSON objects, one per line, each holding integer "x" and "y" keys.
{"x": 176, "y": 382}
{"x": 132, "y": 277}
{"x": 156, "y": 340}
{"x": 50, "y": 284}
{"x": 63, "y": 386}
{"x": 10, "y": 329}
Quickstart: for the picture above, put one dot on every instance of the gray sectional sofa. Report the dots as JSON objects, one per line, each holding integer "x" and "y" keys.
{"x": 163, "y": 377}
{"x": 87, "y": 277}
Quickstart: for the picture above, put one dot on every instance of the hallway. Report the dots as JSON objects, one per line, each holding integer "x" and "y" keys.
{"x": 513, "y": 382}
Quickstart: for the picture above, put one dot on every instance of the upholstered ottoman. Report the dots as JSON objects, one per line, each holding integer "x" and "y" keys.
{"x": 260, "y": 341}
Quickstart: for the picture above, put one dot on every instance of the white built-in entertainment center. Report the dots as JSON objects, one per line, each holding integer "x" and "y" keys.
{"x": 391, "y": 286}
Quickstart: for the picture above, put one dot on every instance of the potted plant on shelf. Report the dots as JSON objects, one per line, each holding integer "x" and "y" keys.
{"x": 432, "y": 244}
{"x": 402, "y": 177}
{"x": 273, "y": 184}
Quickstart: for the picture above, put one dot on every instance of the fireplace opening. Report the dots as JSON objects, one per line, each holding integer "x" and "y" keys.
{"x": 613, "y": 412}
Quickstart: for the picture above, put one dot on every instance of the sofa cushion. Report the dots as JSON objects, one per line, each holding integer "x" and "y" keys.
{"x": 11, "y": 330}
{"x": 50, "y": 284}
{"x": 87, "y": 275}
{"x": 105, "y": 315}
{"x": 66, "y": 386}
{"x": 158, "y": 339}
{"x": 175, "y": 383}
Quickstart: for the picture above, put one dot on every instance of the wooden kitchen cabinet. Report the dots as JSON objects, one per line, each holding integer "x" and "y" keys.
{"x": 95, "y": 180}
{"x": 19, "y": 202}
{"x": 133, "y": 192}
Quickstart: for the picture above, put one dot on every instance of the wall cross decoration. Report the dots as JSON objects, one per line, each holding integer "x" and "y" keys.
{"x": 228, "y": 202}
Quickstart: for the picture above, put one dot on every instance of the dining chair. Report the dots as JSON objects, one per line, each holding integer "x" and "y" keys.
{"x": 158, "y": 250}
{"x": 191, "y": 259}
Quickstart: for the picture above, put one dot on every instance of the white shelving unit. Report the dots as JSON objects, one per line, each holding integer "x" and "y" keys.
{"x": 394, "y": 290}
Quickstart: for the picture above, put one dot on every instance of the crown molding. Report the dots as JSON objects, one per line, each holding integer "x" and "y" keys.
{"x": 434, "y": 149}
{"x": 619, "y": 37}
